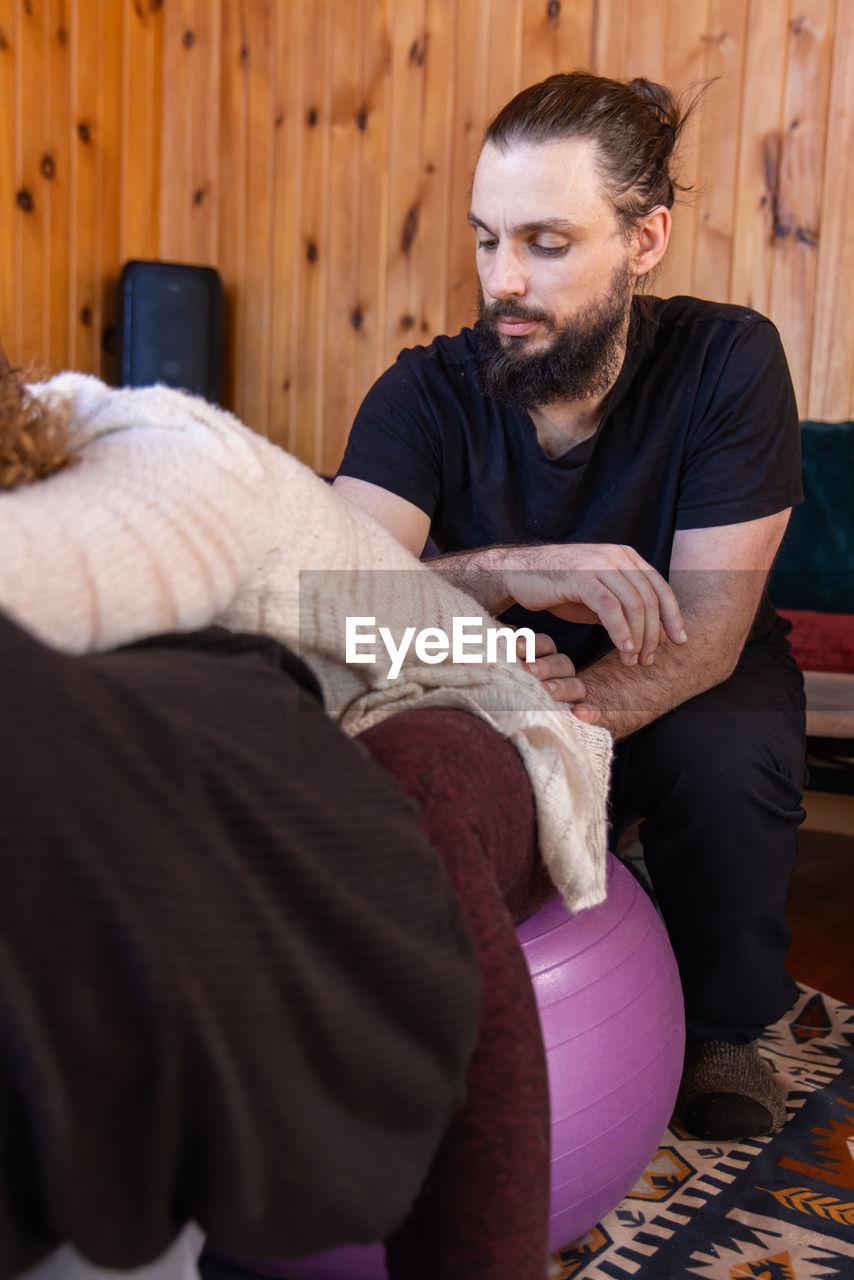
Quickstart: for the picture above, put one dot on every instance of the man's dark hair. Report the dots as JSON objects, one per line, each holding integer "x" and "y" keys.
{"x": 635, "y": 125}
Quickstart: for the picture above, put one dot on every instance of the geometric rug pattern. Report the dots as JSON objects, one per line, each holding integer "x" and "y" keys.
{"x": 777, "y": 1208}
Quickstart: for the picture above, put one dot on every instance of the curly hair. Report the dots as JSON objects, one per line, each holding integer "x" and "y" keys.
{"x": 34, "y": 437}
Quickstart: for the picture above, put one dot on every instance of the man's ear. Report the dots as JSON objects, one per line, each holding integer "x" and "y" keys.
{"x": 652, "y": 236}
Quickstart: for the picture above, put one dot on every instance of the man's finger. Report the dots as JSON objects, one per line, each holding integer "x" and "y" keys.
{"x": 618, "y": 608}
{"x": 566, "y": 689}
{"x": 543, "y": 645}
{"x": 587, "y": 712}
{"x": 668, "y": 606}
{"x": 552, "y": 666}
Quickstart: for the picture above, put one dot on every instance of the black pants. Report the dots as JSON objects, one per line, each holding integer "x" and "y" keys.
{"x": 718, "y": 785}
{"x": 235, "y": 984}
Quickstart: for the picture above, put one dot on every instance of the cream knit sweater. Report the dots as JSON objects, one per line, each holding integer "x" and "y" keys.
{"x": 177, "y": 516}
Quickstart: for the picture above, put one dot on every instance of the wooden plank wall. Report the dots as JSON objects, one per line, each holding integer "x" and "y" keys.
{"x": 319, "y": 154}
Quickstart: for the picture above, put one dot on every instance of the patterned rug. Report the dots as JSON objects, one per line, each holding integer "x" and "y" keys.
{"x": 779, "y": 1208}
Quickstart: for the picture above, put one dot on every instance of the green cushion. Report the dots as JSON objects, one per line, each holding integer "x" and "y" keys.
{"x": 815, "y": 567}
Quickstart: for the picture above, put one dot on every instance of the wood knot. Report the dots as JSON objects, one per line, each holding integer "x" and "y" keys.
{"x": 4, "y": 43}
{"x": 62, "y": 36}
{"x": 311, "y": 117}
{"x": 418, "y": 50}
{"x": 410, "y": 229}
{"x": 362, "y": 120}
{"x": 47, "y": 167}
{"x": 553, "y": 10}
{"x": 244, "y": 53}
{"x": 84, "y": 132}
{"x": 198, "y": 195}
{"x": 86, "y": 316}
{"x": 311, "y": 251}
{"x": 188, "y": 39}
{"x": 407, "y": 322}
{"x": 24, "y": 200}
{"x": 357, "y": 319}
{"x": 279, "y": 120}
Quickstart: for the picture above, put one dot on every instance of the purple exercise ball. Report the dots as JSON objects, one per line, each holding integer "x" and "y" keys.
{"x": 611, "y": 1010}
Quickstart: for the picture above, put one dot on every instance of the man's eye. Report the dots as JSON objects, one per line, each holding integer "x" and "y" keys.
{"x": 487, "y": 244}
{"x": 550, "y": 250}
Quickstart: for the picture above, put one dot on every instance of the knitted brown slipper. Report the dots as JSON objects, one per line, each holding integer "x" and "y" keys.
{"x": 728, "y": 1092}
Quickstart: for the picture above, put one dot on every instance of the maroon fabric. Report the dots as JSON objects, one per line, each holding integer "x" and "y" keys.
{"x": 821, "y": 641}
{"x": 484, "y": 1210}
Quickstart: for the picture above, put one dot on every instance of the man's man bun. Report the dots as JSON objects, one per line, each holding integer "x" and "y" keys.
{"x": 635, "y": 124}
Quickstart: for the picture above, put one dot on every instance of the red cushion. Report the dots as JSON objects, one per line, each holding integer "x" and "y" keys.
{"x": 821, "y": 641}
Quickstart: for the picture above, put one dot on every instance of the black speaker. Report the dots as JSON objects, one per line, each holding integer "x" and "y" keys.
{"x": 170, "y": 327}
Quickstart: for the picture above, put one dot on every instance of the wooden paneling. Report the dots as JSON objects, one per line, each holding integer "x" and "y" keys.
{"x": 684, "y": 68}
{"x": 87, "y": 52}
{"x": 832, "y": 372}
{"x": 57, "y": 192}
{"x": 177, "y": 141}
{"x": 319, "y": 153}
{"x": 763, "y": 89}
{"x": 555, "y": 37}
{"x": 369, "y": 235}
{"x": 32, "y": 228}
{"x": 468, "y": 87}
{"x": 257, "y": 285}
{"x": 800, "y": 180}
{"x": 287, "y": 198}
{"x": 719, "y": 149}
{"x": 340, "y": 337}
{"x": 435, "y": 216}
{"x": 313, "y": 245}
{"x": 410, "y": 49}
{"x": 139, "y": 161}
{"x": 9, "y": 285}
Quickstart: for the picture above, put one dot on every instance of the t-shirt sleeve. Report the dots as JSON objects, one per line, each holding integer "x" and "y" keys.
{"x": 393, "y": 442}
{"x": 743, "y": 457}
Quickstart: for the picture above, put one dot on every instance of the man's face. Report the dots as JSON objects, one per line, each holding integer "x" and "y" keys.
{"x": 555, "y": 272}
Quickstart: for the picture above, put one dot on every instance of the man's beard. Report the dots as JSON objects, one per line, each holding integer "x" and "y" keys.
{"x": 580, "y": 362}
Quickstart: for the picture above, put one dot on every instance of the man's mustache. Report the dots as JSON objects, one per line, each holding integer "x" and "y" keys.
{"x": 510, "y": 309}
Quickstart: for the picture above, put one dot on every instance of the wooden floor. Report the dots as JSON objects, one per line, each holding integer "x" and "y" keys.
{"x": 821, "y": 899}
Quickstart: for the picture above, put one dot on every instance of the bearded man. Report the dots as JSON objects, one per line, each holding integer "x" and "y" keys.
{"x": 586, "y": 454}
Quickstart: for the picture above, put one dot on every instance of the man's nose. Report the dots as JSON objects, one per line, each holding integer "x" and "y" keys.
{"x": 506, "y": 277}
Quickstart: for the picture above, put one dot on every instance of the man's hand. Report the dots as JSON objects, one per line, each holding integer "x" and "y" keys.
{"x": 597, "y": 582}
{"x": 579, "y": 581}
{"x": 558, "y": 677}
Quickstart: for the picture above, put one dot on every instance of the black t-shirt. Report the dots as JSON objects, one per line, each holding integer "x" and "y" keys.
{"x": 701, "y": 429}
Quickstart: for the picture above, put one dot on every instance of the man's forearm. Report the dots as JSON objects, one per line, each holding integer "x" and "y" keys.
{"x": 479, "y": 573}
{"x": 630, "y": 697}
